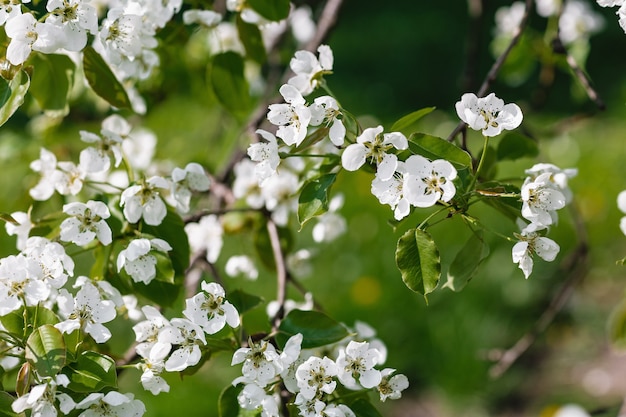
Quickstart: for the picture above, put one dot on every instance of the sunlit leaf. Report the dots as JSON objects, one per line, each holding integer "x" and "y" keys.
{"x": 45, "y": 350}
{"x": 102, "y": 80}
{"x": 243, "y": 301}
{"x": 313, "y": 199}
{"x": 12, "y": 95}
{"x": 406, "y": 123}
{"x": 417, "y": 258}
{"x": 433, "y": 148}
{"x": 467, "y": 261}
{"x": 52, "y": 80}
{"x": 91, "y": 372}
{"x": 317, "y": 329}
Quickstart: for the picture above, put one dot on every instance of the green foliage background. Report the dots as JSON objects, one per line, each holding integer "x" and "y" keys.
{"x": 392, "y": 59}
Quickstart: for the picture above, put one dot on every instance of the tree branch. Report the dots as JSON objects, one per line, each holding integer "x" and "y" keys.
{"x": 281, "y": 271}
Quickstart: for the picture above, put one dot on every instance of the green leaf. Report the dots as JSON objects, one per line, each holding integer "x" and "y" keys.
{"x": 52, "y": 81}
{"x": 313, "y": 199}
{"x": 271, "y": 9}
{"x": 433, "y": 148}
{"x": 405, "y": 123}
{"x": 466, "y": 262}
{"x": 165, "y": 271}
{"x": 102, "y": 80}
{"x": 228, "y": 406}
{"x": 12, "y": 95}
{"x": 9, "y": 219}
{"x": 514, "y": 146}
{"x": 6, "y": 400}
{"x": 36, "y": 316}
{"x": 243, "y": 301}
{"x": 417, "y": 258}
{"x": 45, "y": 350}
{"x": 162, "y": 293}
{"x": 226, "y": 78}
{"x": 91, "y": 372}
{"x": 364, "y": 408}
{"x": 250, "y": 37}
{"x": 503, "y": 197}
{"x": 317, "y": 329}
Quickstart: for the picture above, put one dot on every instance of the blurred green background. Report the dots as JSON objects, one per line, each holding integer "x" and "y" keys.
{"x": 392, "y": 59}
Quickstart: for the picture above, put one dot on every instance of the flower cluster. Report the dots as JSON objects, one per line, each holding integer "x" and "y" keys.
{"x": 488, "y": 114}
{"x": 312, "y": 378}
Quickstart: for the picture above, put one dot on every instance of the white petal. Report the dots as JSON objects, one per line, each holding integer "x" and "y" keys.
{"x": 353, "y": 157}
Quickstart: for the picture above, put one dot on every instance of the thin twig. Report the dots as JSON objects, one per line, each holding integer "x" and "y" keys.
{"x": 281, "y": 271}
{"x": 575, "y": 267}
{"x": 497, "y": 65}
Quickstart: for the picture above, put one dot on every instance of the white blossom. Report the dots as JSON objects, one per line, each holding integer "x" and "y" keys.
{"x": 241, "y": 265}
{"x": 21, "y": 230}
{"x": 87, "y": 311}
{"x": 253, "y": 397}
{"x": 372, "y": 144}
{"x": 356, "y": 363}
{"x": 42, "y": 399}
{"x": 20, "y": 282}
{"x": 279, "y": 195}
{"x": 391, "y": 192}
{"x": 144, "y": 200}
{"x": 330, "y": 225}
{"x": 310, "y": 69}
{"x": 540, "y": 200}
{"x": 27, "y": 34}
{"x": 187, "y": 337}
{"x": 508, "y": 18}
{"x": 147, "y": 331}
{"x": 139, "y": 260}
{"x": 392, "y": 386}
{"x": 266, "y": 156}
{"x": 46, "y": 166}
{"x": 206, "y": 235}
{"x": 316, "y": 376}
{"x": 246, "y": 184}
{"x": 207, "y": 18}
{"x": 75, "y": 18}
{"x": 488, "y": 114}
{"x": 292, "y": 117}
{"x": 111, "y": 404}
{"x": 578, "y": 21}
{"x": 86, "y": 223}
{"x": 184, "y": 181}
{"x": 54, "y": 265}
{"x": 261, "y": 363}
{"x": 325, "y": 110}
{"x": 531, "y": 243}
{"x": 426, "y": 182}
{"x": 210, "y": 310}
{"x": 621, "y": 204}
{"x": 559, "y": 177}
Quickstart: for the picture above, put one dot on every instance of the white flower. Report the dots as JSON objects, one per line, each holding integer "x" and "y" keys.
{"x": 46, "y": 166}
{"x": 316, "y": 375}
{"x": 621, "y": 204}
{"x": 366, "y": 332}
{"x": 42, "y": 399}
{"x": 508, "y": 18}
{"x": 302, "y": 24}
{"x": 241, "y": 265}
{"x": 261, "y": 363}
{"x": 208, "y": 18}
{"x": 356, "y": 363}
{"x": 86, "y": 223}
{"x": 187, "y": 337}
{"x": 392, "y": 386}
{"x": 289, "y": 305}
{"x": 391, "y": 192}
{"x": 69, "y": 178}
{"x": 559, "y": 177}
{"x": 488, "y": 114}
{"x": 540, "y": 200}
{"x": 253, "y": 397}
{"x": 151, "y": 378}
{"x": 111, "y": 404}
{"x": 210, "y": 310}
{"x": 338, "y": 410}
{"x": 265, "y": 154}
{"x": 206, "y": 235}
{"x": 27, "y": 34}
{"x": 122, "y": 35}
{"x": 292, "y": 117}
{"x": 87, "y": 311}
{"x": 144, "y": 200}
{"x": 138, "y": 260}
{"x": 139, "y": 148}
{"x": 54, "y": 264}
{"x": 147, "y": 331}
{"x": 571, "y": 410}
{"x": 10, "y": 9}
{"x": 184, "y": 181}
{"x": 309, "y": 69}
{"x": 578, "y": 21}
{"x": 426, "y": 183}
{"x": 279, "y": 195}
{"x": 75, "y": 18}
{"x": 532, "y": 243}
{"x": 547, "y": 8}
{"x": 610, "y": 3}
{"x": 374, "y": 145}
{"x": 20, "y": 282}
{"x": 325, "y": 110}
{"x": 246, "y": 184}
{"x": 22, "y": 229}
{"x": 97, "y": 158}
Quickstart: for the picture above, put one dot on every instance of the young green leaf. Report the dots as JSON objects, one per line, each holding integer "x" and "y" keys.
{"x": 45, "y": 350}
{"x": 226, "y": 78}
{"x": 6, "y": 400}
{"x": 467, "y": 261}
{"x": 228, "y": 405}
{"x": 243, "y": 301}
{"x": 313, "y": 199}
{"x": 433, "y": 148}
{"x": 271, "y": 9}
{"x": 317, "y": 329}
{"x": 91, "y": 372}
{"x": 363, "y": 408}
{"x": 406, "y": 123}
{"x": 102, "y": 80}
{"x": 6, "y": 217}
{"x": 52, "y": 81}
{"x": 417, "y": 258}
{"x": 514, "y": 146}
{"x": 12, "y": 95}
{"x": 36, "y": 316}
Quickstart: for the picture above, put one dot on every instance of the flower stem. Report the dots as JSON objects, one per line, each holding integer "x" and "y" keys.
{"x": 480, "y": 165}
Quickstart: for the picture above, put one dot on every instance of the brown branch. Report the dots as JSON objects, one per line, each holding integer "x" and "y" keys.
{"x": 575, "y": 267}
{"x": 497, "y": 65}
{"x": 281, "y": 271}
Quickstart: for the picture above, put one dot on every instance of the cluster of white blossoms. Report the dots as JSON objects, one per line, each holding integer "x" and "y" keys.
{"x": 488, "y": 114}
{"x": 621, "y": 11}
{"x": 176, "y": 344}
{"x": 311, "y": 377}
{"x": 544, "y": 191}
